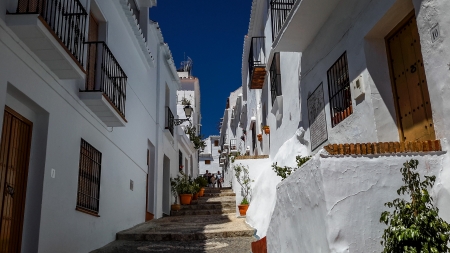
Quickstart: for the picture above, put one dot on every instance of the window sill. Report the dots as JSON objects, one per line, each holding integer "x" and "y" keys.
{"x": 86, "y": 211}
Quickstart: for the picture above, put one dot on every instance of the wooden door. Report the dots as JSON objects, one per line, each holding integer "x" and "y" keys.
{"x": 14, "y": 159}
{"x": 92, "y": 52}
{"x": 409, "y": 83}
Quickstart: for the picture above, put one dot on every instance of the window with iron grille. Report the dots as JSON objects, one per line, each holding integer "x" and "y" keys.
{"x": 275, "y": 77}
{"x": 207, "y": 161}
{"x": 339, "y": 91}
{"x": 89, "y": 178}
{"x": 216, "y": 143}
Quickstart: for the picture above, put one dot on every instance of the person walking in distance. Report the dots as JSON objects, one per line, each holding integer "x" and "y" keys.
{"x": 219, "y": 180}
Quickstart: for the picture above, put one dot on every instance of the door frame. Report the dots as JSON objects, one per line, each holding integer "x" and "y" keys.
{"x": 27, "y": 164}
{"x": 400, "y": 25}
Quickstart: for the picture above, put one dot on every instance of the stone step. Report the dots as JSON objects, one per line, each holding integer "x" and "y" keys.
{"x": 215, "y": 200}
{"x": 221, "y": 194}
{"x": 216, "y": 190}
{"x": 208, "y": 206}
{"x": 202, "y": 212}
{"x": 186, "y": 228}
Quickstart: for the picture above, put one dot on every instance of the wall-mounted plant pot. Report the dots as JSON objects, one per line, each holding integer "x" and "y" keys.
{"x": 267, "y": 130}
{"x": 259, "y": 137}
{"x": 243, "y": 209}
{"x": 175, "y": 207}
{"x": 201, "y": 192}
{"x": 185, "y": 199}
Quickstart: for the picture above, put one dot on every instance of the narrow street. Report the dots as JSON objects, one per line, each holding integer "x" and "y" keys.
{"x": 207, "y": 225}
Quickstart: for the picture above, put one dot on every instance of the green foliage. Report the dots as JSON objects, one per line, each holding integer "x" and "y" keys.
{"x": 414, "y": 226}
{"x": 203, "y": 182}
{"x": 232, "y": 158}
{"x": 244, "y": 201}
{"x": 286, "y": 171}
{"x": 243, "y": 178}
{"x": 185, "y": 101}
{"x": 182, "y": 184}
{"x": 191, "y": 131}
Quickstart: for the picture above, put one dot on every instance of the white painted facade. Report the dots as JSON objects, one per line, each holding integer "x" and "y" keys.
{"x": 209, "y": 157}
{"x": 50, "y": 95}
{"x": 334, "y": 204}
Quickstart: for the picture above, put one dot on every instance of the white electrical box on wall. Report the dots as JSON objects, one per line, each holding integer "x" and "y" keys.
{"x": 358, "y": 87}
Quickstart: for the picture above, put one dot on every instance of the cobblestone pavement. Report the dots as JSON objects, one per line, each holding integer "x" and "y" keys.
{"x": 216, "y": 245}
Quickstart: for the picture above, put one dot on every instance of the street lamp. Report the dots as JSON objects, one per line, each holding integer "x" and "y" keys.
{"x": 188, "y": 112}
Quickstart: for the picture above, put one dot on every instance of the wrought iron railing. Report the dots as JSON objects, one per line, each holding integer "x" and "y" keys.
{"x": 279, "y": 10}
{"x": 169, "y": 120}
{"x": 66, "y": 18}
{"x": 233, "y": 144}
{"x": 103, "y": 73}
{"x": 256, "y": 57}
{"x": 275, "y": 77}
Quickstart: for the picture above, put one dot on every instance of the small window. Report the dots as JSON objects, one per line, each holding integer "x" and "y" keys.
{"x": 275, "y": 77}
{"x": 88, "y": 196}
{"x": 216, "y": 143}
{"x": 339, "y": 91}
{"x": 207, "y": 161}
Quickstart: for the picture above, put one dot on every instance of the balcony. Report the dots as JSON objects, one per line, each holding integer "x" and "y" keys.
{"x": 257, "y": 63}
{"x": 169, "y": 120}
{"x": 233, "y": 146}
{"x": 105, "y": 90}
{"x": 55, "y": 31}
{"x": 302, "y": 24}
{"x": 279, "y": 10}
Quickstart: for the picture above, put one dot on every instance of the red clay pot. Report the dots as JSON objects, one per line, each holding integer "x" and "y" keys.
{"x": 185, "y": 199}
{"x": 201, "y": 192}
{"x": 243, "y": 209}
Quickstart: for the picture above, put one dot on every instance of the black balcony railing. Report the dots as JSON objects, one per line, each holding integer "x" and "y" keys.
{"x": 257, "y": 63}
{"x": 66, "y": 18}
{"x": 279, "y": 10}
{"x": 169, "y": 120}
{"x": 105, "y": 74}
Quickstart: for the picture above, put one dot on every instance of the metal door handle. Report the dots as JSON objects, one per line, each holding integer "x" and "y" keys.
{"x": 10, "y": 190}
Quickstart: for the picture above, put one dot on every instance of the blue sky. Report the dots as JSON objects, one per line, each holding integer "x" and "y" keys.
{"x": 211, "y": 32}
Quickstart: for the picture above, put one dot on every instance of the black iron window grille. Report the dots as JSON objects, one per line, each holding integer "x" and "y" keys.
{"x": 89, "y": 178}
{"x": 66, "y": 18}
{"x": 279, "y": 10}
{"x": 256, "y": 58}
{"x": 180, "y": 160}
{"x": 275, "y": 77}
{"x": 339, "y": 91}
{"x": 169, "y": 120}
{"x": 106, "y": 75}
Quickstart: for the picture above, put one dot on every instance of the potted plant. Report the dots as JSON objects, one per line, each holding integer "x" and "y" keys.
{"x": 266, "y": 129}
{"x": 259, "y": 137}
{"x": 243, "y": 178}
{"x": 202, "y": 182}
{"x": 196, "y": 190}
{"x": 184, "y": 188}
{"x": 173, "y": 187}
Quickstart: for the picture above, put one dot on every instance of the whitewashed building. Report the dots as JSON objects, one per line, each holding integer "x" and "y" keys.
{"x": 361, "y": 86}
{"x": 88, "y": 145}
{"x": 209, "y": 158}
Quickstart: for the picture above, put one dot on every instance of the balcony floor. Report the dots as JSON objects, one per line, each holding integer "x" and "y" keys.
{"x": 98, "y": 104}
{"x": 42, "y": 41}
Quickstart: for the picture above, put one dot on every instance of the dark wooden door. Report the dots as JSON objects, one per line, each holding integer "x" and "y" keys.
{"x": 92, "y": 52}
{"x": 14, "y": 160}
{"x": 409, "y": 83}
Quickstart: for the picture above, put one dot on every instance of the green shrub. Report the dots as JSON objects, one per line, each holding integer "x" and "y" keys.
{"x": 286, "y": 171}
{"x": 414, "y": 226}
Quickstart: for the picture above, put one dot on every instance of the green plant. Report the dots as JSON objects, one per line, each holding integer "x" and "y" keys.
{"x": 414, "y": 226}
{"x": 302, "y": 160}
{"x": 181, "y": 184}
{"x": 244, "y": 201}
{"x": 185, "y": 101}
{"x": 203, "y": 182}
{"x": 286, "y": 171}
{"x": 243, "y": 178}
{"x": 232, "y": 158}
{"x": 191, "y": 131}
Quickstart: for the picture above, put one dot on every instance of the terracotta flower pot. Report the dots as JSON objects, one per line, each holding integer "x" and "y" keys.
{"x": 259, "y": 137}
{"x": 185, "y": 199}
{"x": 243, "y": 209}
{"x": 267, "y": 130}
{"x": 201, "y": 192}
{"x": 175, "y": 207}
{"x": 195, "y": 197}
